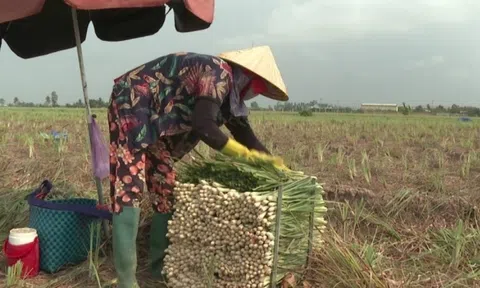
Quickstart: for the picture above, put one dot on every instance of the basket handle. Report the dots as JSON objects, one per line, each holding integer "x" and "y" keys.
{"x": 37, "y": 199}
{"x": 42, "y": 191}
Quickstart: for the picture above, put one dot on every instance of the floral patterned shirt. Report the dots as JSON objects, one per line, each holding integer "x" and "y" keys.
{"x": 157, "y": 98}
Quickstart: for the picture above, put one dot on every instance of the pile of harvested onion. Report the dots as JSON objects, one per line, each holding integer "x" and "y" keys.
{"x": 223, "y": 237}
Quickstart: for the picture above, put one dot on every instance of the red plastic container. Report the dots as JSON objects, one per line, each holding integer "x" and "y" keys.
{"x": 28, "y": 253}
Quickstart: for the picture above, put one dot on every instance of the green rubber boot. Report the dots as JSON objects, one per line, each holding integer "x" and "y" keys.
{"x": 125, "y": 229}
{"x": 158, "y": 243}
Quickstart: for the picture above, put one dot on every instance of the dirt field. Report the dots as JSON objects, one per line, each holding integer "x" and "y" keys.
{"x": 403, "y": 191}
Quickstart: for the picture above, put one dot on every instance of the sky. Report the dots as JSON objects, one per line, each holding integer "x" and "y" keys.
{"x": 342, "y": 52}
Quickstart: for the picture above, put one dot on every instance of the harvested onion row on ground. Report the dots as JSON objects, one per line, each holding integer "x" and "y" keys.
{"x": 225, "y": 238}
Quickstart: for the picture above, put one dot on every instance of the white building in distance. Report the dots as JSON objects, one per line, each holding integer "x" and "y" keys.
{"x": 379, "y": 107}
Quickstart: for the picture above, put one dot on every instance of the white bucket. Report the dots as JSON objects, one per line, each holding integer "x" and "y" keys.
{"x": 21, "y": 236}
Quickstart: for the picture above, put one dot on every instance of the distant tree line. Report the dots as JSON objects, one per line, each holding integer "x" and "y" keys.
{"x": 315, "y": 106}
{"x": 454, "y": 109}
{"x": 312, "y": 106}
{"x": 94, "y": 103}
{"x": 51, "y": 100}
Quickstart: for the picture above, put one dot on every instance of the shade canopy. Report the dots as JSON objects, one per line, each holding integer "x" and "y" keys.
{"x": 33, "y": 28}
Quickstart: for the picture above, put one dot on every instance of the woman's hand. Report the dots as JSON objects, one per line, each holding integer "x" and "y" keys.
{"x": 234, "y": 148}
{"x": 275, "y": 160}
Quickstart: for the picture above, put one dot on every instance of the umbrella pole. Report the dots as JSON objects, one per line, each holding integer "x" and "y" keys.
{"x": 98, "y": 181}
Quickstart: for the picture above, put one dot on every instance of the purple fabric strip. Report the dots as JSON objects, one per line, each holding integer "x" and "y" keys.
{"x": 100, "y": 152}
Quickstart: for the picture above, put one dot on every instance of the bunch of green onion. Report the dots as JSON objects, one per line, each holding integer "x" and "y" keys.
{"x": 223, "y": 230}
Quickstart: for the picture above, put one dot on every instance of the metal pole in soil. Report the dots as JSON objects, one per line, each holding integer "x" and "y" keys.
{"x": 78, "y": 42}
{"x": 278, "y": 216}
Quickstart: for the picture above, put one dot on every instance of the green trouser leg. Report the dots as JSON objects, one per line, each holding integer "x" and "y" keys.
{"x": 158, "y": 243}
{"x": 125, "y": 229}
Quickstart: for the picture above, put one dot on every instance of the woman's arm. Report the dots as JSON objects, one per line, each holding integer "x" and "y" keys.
{"x": 243, "y": 133}
{"x": 204, "y": 123}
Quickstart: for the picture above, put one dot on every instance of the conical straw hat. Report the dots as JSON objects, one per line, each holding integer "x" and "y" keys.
{"x": 260, "y": 61}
